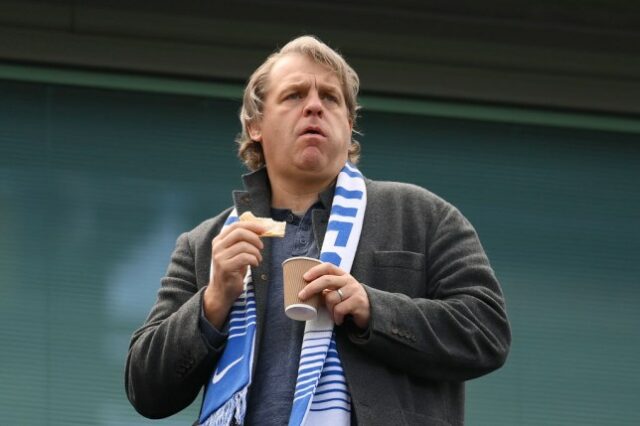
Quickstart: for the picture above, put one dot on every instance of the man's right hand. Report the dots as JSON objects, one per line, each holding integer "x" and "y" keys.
{"x": 235, "y": 249}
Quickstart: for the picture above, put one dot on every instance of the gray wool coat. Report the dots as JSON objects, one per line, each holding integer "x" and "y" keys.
{"x": 438, "y": 316}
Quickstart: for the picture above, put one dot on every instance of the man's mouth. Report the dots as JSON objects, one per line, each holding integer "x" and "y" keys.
{"x": 313, "y": 130}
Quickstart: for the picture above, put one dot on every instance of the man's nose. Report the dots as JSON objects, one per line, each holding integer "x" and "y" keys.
{"x": 313, "y": 105}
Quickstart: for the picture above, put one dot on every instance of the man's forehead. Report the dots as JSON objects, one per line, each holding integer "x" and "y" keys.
{"x": 292, "y": 69}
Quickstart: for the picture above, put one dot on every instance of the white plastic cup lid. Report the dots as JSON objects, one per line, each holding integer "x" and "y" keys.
{"x": 301, "y": 312}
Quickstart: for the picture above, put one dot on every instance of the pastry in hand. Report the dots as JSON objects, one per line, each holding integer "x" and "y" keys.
{"x": 274, "y": 228}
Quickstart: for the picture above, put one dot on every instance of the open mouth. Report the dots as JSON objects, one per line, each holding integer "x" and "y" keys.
{"x": 313, "y": 131}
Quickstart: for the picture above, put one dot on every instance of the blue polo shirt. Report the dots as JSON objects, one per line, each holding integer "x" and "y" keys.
{"x": 271, "y": 394}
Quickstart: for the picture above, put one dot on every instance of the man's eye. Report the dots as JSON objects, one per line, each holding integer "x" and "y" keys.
{"x": 331, "y": 98}
{"x": 293, "y": 95}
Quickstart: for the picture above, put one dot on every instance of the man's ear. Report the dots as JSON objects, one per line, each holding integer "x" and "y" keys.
{"x": 255, "y": 131}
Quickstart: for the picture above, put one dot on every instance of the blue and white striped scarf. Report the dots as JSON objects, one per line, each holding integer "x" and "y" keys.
{"x": 321, "y": 394}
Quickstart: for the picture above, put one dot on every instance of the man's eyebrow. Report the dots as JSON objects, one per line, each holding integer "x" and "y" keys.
{"x": 333, "y": 89}
{"x": 298, "y": 82}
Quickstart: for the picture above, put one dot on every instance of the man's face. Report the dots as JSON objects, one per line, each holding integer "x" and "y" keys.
{"x": 305, "y": 130}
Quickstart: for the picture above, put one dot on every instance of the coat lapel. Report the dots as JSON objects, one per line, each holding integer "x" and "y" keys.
{"x": 257, "y": 199}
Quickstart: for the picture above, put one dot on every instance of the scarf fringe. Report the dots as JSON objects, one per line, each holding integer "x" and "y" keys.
{"x": 235, "y": 408}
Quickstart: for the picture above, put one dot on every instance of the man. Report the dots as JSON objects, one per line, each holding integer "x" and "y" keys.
{"x": 416, "y": 306}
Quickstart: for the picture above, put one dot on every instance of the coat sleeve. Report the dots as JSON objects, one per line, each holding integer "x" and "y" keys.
{"x": 169, "y": 357}
{"x": 460, "y": 330}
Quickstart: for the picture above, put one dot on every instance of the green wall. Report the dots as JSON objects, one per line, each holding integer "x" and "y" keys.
{"x": 96, "y": 185}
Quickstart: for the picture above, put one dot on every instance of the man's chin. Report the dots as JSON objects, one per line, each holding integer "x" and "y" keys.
{"x": 311, "y": 163}
{"x": 314, "y": 163}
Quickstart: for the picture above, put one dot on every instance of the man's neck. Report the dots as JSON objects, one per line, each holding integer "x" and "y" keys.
{"x": 296, "y": 196}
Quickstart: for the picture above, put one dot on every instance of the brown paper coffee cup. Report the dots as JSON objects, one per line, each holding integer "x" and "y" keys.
{"x": 293, "y": 269}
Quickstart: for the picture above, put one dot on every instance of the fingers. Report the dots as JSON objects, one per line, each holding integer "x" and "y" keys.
{"x": 349, "y": 306}
{"x": 354, "y": 302}
{"x": 236, "y": 250}
{"x": 325, "y": 268}
{"x": 332, "y": 299}
{"x": 239, "y": 241}
{"x": 323, "y": 276}
{"x": 232, "y": 251}
{"x": 252, "y": 226}
{"x": 352, "y": 298}
{"x": 240, "y": 231}
{"x": 238, "y": 263}
{"x": 323, "y": 282}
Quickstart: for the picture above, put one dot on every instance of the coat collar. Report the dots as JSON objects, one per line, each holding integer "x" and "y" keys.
{"x": 257, "y": 194}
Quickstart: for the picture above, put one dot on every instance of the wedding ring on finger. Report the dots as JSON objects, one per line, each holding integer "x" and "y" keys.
{"x": 339, "y": 291}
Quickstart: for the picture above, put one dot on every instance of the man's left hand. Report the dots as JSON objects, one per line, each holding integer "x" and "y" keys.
{"x": 352, "y": 298}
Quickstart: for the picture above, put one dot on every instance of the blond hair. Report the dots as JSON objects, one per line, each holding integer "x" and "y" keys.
{"x": 249, "y": 150}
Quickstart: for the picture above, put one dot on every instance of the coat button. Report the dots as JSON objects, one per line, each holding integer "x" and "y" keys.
{"x": 394, "y": 330}
{"x": 263, "y": 277}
